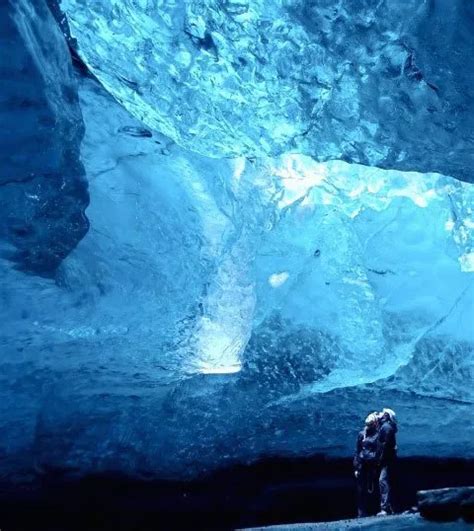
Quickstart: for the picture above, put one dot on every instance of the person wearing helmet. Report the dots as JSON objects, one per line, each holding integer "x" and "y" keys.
{"x": 366, "y": 460}
{"x": 387, "y": 454}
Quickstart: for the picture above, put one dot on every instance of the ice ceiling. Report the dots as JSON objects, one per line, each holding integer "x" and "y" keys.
{"x": 233, "y": 289}
{"x": 374, "y": 82}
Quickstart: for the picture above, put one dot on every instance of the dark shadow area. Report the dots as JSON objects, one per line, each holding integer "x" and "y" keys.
{"x": 271, "y": 491}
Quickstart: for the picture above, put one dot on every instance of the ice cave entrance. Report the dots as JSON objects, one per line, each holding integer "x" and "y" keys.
{"x": 378, "y": 260}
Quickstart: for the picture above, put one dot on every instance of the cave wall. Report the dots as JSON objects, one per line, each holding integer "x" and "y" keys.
{"x": 43, "y": 186}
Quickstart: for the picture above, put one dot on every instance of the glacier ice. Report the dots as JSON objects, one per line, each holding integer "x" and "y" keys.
{"x": 43, "y": 186}
{"x": 364, "y": 81}
{"x": 223, "y": 308}
{"x": 237, "y": 300}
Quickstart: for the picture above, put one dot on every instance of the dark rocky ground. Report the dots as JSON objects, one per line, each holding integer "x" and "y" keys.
{"x": 269, "y": 492}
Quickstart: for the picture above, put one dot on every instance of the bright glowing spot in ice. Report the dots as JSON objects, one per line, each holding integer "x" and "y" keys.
{"x": 467, "y": 262}
{"x": 298, "y": 174}
{"x": 218, "y": 350}
{"x": 231, "y": 369}
{"x": 307, "y": 203}
{"x": 278, "y": 279}
{"x": 33, "y": 196}
{"x": 326, "y": 200}
{"x": 449, "y": 225}
{"x": 239, "y": 168}
{"x": 375, "y": 185}
{"x": 355, "y": 212}
{"x": 357, "y": 190}
{"x": 420, "y": 201}
{"x": 415, "y": 188}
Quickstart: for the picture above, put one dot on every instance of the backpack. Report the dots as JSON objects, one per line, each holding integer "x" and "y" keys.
{"x": 369, "y": 452}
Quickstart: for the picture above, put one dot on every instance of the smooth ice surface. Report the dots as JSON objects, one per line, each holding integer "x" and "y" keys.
{"x": 219, "y": 310}
{"x": 380, "y": 83}
{"x": 43, "y": 190}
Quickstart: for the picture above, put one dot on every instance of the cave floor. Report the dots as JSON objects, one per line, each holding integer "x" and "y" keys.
{"x": 396, "y": 523}
{"x": 259, "y": 495}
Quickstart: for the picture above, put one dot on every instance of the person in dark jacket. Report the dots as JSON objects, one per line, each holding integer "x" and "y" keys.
{"x": 387, "y": 457}
{"x": 366, "y": 465}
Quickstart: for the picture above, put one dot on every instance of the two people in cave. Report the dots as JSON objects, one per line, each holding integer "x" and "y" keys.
{"x": 374, "y": 462}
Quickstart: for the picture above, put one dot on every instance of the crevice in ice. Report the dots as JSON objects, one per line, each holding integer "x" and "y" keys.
{"x": 379, "y": 231}
{"x": 442, "y": 319}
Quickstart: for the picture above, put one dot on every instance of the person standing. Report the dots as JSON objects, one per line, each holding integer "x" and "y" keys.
{"x": 366, "y": 461}
{"x": 388, "y": 454}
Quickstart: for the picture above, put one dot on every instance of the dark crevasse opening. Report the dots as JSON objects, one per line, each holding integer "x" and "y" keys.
{"x": 216, "y": 259}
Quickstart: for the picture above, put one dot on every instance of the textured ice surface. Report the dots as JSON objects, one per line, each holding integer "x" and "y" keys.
{"x": 402, "y": 522}
{"x": 298, "y": 283}
{"x": 43, "y": 191}
{"x": 374, "y": 82}
{"x": 373, "y": 258}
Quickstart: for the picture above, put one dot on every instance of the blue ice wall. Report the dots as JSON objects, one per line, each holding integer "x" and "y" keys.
{"x": 218, "y": 308}
{"x": 44, "y": 189}
{"x": 381, "y": 83}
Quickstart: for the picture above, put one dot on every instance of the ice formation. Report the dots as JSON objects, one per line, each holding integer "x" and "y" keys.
{"x": 362, "y": 81}
{"x": 43, "y": 186}
{"x": 221, "y": 308}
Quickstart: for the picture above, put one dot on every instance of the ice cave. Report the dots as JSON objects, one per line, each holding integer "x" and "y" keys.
{"x": 230, "y": 229}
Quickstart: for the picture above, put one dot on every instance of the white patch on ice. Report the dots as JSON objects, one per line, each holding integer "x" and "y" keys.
{"x": 278, "y": 279}
{"x": 467, "y": 262}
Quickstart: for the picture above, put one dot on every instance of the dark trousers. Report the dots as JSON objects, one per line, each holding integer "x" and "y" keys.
{"x": 386, "y": 487}
{"x": 367, "y": 491}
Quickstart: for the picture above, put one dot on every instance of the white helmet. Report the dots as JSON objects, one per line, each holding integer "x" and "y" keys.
{"x": 392, "y": 415}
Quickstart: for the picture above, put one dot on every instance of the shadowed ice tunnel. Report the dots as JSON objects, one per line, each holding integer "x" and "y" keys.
{"x": 231, "y": 230}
